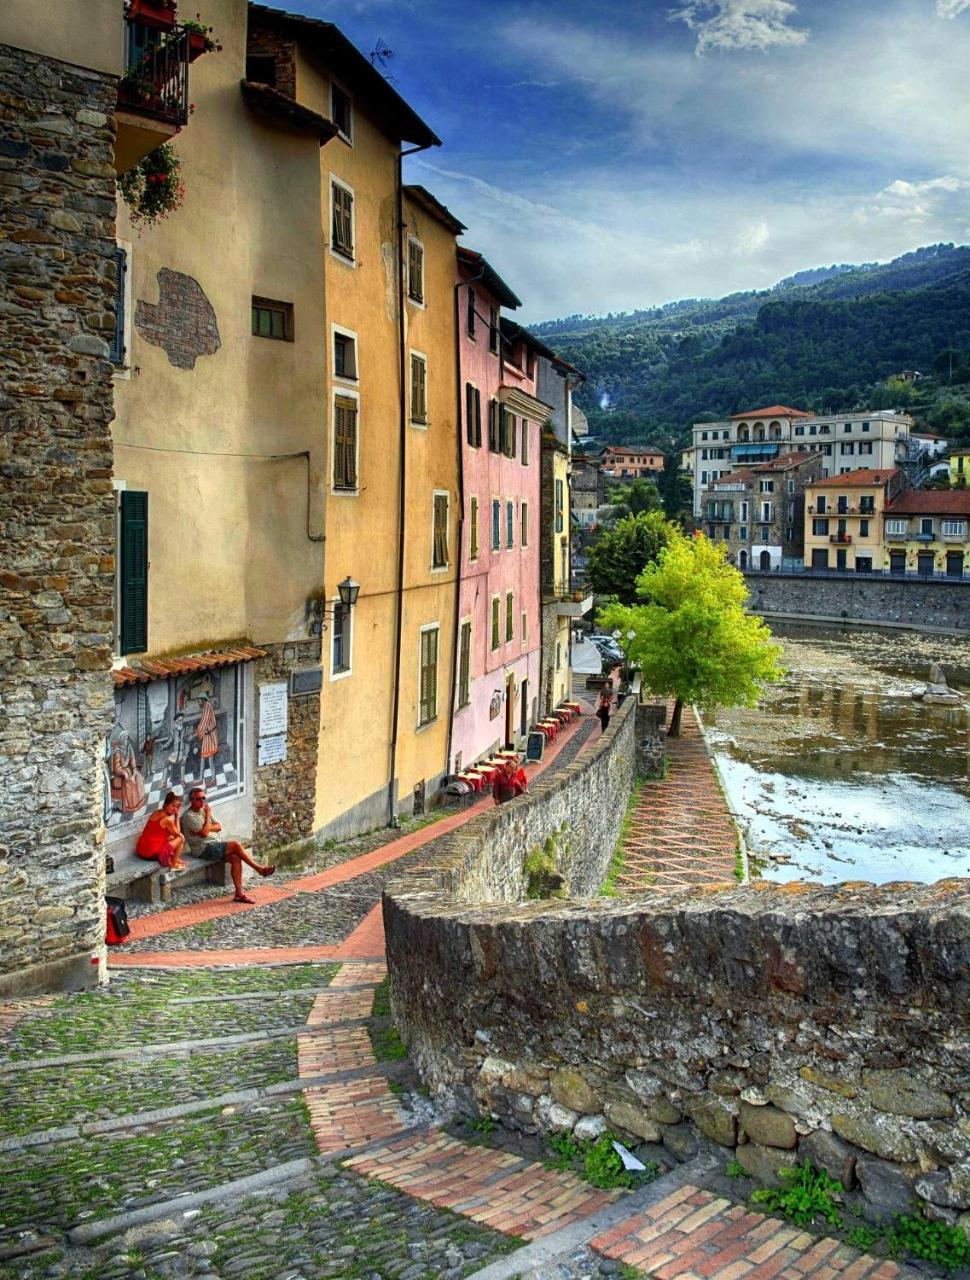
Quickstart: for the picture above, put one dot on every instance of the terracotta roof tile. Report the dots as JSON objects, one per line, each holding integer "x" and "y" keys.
{"x": 866, "y": 475}
{"x": 943, "y": 502}
{"x": 161, "y": 668}
{"x": 773, "y": 411}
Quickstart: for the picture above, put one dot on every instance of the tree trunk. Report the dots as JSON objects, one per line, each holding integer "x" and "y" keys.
{"x": 674, "y": 730}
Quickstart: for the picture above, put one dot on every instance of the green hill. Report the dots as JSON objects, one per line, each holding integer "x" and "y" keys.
{"x": 824, "y": 339}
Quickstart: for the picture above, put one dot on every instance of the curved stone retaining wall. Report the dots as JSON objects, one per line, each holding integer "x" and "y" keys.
{"x": 781, "y": 1022}
{"x": 914, "y": 602}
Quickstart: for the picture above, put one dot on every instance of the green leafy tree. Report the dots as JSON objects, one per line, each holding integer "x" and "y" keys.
{"x": 632, "y": 499}
{"x": 621, "y": 554}
{"x": 692, "y": 639}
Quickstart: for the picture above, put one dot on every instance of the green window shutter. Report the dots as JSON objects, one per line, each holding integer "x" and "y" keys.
{"x": 133, "y": 592}
{"x": 473, "y": 521}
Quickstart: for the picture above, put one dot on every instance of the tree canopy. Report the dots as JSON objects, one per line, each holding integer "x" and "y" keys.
{"x": 621, "y": 554}
{"x": 692, "y": 639}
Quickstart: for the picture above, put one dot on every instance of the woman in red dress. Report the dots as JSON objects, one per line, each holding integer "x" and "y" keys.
{"x": 162, "y": 840}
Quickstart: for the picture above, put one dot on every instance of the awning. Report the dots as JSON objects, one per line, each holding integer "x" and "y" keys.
{"x": 162, "y": 668}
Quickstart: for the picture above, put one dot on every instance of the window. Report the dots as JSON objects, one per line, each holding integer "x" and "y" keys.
{"x": 473, "y": 532}
{"x": 766, "y": 486}
{"x": 415, "y": 270}
{"x": 272, "y": 319}
{"x": 525, "y": 443}
{"x": 473, "y": 416}
{"x": 344, "y": 442}
{"x": 766, "y": 511}
{"x": 509, "y": 615}
{"x": 743, "y": 513}
{"x": 863, "y": 528}
{"x": 117, "y": 352}
{"x": 703, "y": 435}
{"x": 341, "y": 112}
{"x": 865, "y": 426}
{"x": 847, "y": 427}
{"x": 703, "y": 477}
{"x": 344, "y": 355}
{"x": 507, "y": 432}
{"x": 524, "y": 539}
{"x": 743, "y": 533}
{"x": 865, "y": 446}
{"x": 765, "y": 532}
{"x": 559, "y": 513}
{"x": 820, "y": 528}
{"x": 341, "y": 640}
{"x": 954, "y": 528}
{"x": 509, "y": 524}
{"x": 261, "y": 68}
{"x": 470, "y": 314}
{"x": 465, "y": 664}
{"x": 496, "y": 524}
{"x": 133, "y": 572}
{"x": 897, "y": 527}
{"x": 926, "y": 526}
{"x": 842, "y": 504}
{"x": 495, "y": 622}
{"x": 428, "y": 684}
{"x": 847, "y": 447}
{"x": 525, "y": 626}
{"x": 439, "y": 532}
{"x": 341, "y": 220}
{"x": 799, "y": 431}
{"x": 493, "y": 330}
{"x": 867, "y": 504}
{"x": 419, "y": 388}
{"x": 494, "y": 425}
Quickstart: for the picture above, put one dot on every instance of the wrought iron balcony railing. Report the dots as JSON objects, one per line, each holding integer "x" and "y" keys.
{"x": 156, "y": 79}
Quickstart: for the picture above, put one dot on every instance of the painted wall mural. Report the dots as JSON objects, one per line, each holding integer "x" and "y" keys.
{"x": 170, "y": 735}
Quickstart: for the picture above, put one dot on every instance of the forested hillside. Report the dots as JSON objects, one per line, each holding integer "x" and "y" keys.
{"x": 825, "y": 339}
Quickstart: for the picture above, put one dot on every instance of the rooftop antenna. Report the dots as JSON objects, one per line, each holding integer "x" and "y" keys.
{"x": 381, "y": 55}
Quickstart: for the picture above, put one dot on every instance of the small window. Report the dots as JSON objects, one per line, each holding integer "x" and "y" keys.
{"x": 820, "y": 528}
{"x": 419, "y": 389}
{"x": 428, "y": 709}
{"x": 133, "y": 572}
{"x": 766, "y": 486}
{"x": 954, "y": 528}
{"x": 509, "y": 524}
{"x": 509, "y": 616}
{"x": 415, "y": 271}
{"x": 863, "y": 528}
{"x": 345, "y": 356}
{"x": 473, "y": 529}
{"x": 439, "y": 536}
{"x": 496, "y": 524}
{"x": 496, "y": 638}
{"x": 473, "y": 416}
{"x": 465, "y": 665}
{"x": 560, "y": 507}
{"x": 272, "y": 319}
{"x": 493, "y": 330}
{"x": 344, "y": 443}
{"x": 341, "y": 112}
{"x": 524, "y": 540}
{"x": 926, "y": 525}
{"x": 525, "y": 626}
{"x": 899, "y": 526}
{"x": 525, "y": 443}
{"x": 820, "y": 504}
{"x": 261, "y": 69}
{"x": 342, "y": 220}
{"x": 470, "y": 314}
{"x": 865, "y": 426}
{"x": 340, "y": 641}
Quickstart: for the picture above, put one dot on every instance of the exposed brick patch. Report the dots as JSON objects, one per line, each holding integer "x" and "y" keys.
{"x": 182, "y": 322}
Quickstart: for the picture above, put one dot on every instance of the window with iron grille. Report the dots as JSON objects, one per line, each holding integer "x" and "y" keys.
{"x": 272, "y": 319}
{"x": 473, "y": 530}
{"x": 419, "y": 388}
{"x": 342, "y": 221}
{"x": 415, "y": 271}
{"x": 429, "y": 675}
{"x": 133, "y": 572}
{"x": 496, "y": 639}
{"x": 118, "y": 337}
{"x": 344, "y": 443}
{"x": 439, "y": 537}
{"x": 465, "y": 665}
{"x": 509, "y": 615}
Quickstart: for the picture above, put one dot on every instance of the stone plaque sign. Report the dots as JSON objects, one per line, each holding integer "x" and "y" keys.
{"x": 305, "y": 682}
{"x": 272, "y": 750}
{"x": 272, "y": 709}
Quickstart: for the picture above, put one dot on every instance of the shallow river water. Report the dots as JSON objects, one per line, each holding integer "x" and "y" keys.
{"x": 840, "y": 774}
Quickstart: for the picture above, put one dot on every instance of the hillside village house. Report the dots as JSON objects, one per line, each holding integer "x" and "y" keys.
{"x": 587, "y": 490}
{"x": 959, "y": 468}
{"x": 926, "y": 532}
{"x": 758, "y": 511}
{"x": 844, "y": 519}
{"x": 862, "y": 440}
{"x": 630, "y": 462}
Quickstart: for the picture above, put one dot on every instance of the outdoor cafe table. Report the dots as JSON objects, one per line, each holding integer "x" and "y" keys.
{"x": 474, "y": 780}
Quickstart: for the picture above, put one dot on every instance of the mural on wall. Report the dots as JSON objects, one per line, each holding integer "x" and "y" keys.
{"x": 170, "y": 735}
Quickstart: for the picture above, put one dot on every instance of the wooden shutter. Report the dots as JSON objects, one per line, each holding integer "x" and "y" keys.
{"x": 496, "y": 525}
{"x": 509, "y": 607}
{"x": 429, "y": 676}
{"x": 345, "y": 443}
{"x": 415, "y": 271}
{"x": 133, "y": 627}
{"x": 343, "y": 223}
{"x": 419, "y": 390}
{"x": 503, "y": 428}
{"x": 473, "y": 521}
{"x": 470, "y": 413}
{"x": 509, "y": 524}
{"x": 524, "y": 540}
{"x": 464, "y": 665}
{"x": 439, "y": 550}
{"x": 525, "y": 443}
{"x": 494, "y": 410}
{"x": 495, "y": 621}
{"x": 510, "y": 436}
{"x": 471, "y": 313}
{"x": 478, "y": 418}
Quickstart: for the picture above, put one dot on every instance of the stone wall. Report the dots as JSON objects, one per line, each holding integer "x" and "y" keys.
{"x": 651, "y": 743}
{"x": 57, "y": 535}
{"x": 923, "y": 602}
{"x": 285, "y": 793}
{"x": 776, "y": 1022}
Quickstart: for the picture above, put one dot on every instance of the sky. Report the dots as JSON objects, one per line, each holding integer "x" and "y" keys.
{"x": 614, "y": 154}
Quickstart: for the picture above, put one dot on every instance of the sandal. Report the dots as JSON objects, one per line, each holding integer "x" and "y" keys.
{"x": 266, "y": 871}
{"x": 242, "y": 897}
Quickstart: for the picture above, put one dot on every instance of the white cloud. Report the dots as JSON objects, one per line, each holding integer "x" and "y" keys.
{"x": 745, "y": 24}
{"x": 936, "y": 201}
{"x": 950, "y": 8}
{"x": 753, "y": 239}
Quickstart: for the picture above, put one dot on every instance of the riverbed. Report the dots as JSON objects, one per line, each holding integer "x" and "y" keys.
{"x": 839, "y": 773}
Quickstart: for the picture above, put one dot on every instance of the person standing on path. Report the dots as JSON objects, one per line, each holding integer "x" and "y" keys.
{"x": 603, "y": 709}
{"x": 200, "y": 830}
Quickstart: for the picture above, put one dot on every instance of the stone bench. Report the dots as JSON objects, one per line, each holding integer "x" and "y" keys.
{"x": 147, "y": 881}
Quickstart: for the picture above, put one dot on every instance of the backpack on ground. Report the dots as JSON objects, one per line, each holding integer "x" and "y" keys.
{"x": 117, "y": 927}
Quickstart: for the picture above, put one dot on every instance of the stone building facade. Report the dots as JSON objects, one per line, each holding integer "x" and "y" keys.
{"x": 759, "y": 511}
{"x": 57, "y": 538}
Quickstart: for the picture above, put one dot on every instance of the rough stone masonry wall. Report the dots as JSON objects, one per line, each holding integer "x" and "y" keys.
{"x": 780, "y": 1022}
{"x": 863, "y": 597}
{"x": 285, "y": 793}
{"x": 57, "y": 237}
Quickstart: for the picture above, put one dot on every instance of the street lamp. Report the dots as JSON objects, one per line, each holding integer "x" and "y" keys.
{"x": 349, "y": 590}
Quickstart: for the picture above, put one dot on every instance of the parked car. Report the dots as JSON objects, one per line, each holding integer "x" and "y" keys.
{"x": 608, "y": 648}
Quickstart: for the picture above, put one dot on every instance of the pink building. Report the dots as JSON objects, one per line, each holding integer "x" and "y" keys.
{"x": 499, "y": 621}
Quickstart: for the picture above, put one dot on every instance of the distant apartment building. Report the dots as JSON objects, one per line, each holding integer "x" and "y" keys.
{"x": 926, "y": 533}
{"x": 628, "y": 462}
{"x": 877, "y": 439}
{"x": 844, "y": 519}
{"x": 758, "y": 512}
{"x": 587, "y": 491}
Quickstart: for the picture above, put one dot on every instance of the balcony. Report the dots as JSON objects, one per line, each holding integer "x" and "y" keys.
{"x": 924, "y": 537}
{"x": 901, "y": 536}
{"x": 843, "y": 539}
{"x": 153, "y": 94}
{"x": 574, "y": 604}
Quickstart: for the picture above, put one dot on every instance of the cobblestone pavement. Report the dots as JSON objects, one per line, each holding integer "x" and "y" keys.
{"x": 680, "y": 830}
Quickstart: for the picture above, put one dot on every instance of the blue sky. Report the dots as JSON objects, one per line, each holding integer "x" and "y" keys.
{"x": 625, "y": 153}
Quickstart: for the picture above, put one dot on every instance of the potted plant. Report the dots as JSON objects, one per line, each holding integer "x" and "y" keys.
{"x": 201, "y": 38}
{"x": 152, "y": 189}
{"x": 160, "y": 14}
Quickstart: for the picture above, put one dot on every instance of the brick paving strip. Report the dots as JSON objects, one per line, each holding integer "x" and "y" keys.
{"x": 680, "y": 831}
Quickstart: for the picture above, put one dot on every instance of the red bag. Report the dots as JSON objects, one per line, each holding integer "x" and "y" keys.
{"x": 116, "y": 923}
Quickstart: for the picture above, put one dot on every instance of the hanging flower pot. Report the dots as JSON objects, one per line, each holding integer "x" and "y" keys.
{"x": 152, "y": 189}
{"x": 201, "y": 38}
{"x": 160, "y": 14}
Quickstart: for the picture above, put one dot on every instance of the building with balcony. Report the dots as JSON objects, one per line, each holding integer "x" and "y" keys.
{"x": 758, "y": 512}
{"x": 960, "y": 468}
{"x": 844, "y": 519}
{"x": 862, "y": 440}
{"x": 630, "y": 462}
{"x": 926, "y": 533}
